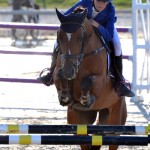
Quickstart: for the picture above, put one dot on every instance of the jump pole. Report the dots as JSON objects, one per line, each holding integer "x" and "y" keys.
{"x": 74, "y": 129}
{"x": 73, "y": 140}
{"x": 33, "y": 26}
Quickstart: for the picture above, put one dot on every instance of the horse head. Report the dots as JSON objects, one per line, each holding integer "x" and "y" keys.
{"x": 72, "y": 40}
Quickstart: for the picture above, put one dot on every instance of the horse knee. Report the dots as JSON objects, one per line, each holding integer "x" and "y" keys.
{"x": 86, "y": 83}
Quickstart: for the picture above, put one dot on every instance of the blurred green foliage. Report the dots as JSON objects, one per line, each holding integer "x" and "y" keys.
{"x": 68, "y": 3}
{"x": 120, "y": 4}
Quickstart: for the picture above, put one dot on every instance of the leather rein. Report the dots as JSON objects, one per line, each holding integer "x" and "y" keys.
{"x": 79, "y": 57}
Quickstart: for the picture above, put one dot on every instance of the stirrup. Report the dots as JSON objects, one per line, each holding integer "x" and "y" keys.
{"x": 46, "y": 79}
{"x": 43, "y": 71}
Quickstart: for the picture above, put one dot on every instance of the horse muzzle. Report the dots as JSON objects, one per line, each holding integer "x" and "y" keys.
{"x": 69, "y": 70}
{"x": 69, "y": 74}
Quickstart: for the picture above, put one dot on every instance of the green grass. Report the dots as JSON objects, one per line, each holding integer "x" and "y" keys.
{"x": 68, "y": 3}
{"x": 120, "y": 4}
{"x": 3, "y": 3}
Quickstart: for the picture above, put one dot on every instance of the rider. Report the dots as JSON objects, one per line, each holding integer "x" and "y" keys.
{"x": 102, "y": 16}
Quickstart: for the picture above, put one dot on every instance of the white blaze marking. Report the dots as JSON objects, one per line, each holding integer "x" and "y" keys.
{"x": 69, "y": 38}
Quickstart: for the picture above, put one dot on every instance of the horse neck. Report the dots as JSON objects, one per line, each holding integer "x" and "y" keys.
{"x": 94, "y": 42}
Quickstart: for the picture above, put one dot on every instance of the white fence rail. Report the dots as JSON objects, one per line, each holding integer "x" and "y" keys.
{"x": 141, "y": 10}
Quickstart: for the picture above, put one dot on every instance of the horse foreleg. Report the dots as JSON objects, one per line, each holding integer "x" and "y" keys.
{"x": 63, "y": 89}
{"x": 86, "y": 97}
{"x": 65, "y": 94}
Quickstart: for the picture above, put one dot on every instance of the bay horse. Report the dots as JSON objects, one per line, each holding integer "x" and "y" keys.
{"x": 82, "y": 77}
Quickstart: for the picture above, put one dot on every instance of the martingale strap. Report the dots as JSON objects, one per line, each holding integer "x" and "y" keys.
{"x": 102, "y": 40}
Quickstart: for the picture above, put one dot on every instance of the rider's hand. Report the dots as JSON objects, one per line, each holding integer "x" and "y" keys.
{"x": 94, "y": 23}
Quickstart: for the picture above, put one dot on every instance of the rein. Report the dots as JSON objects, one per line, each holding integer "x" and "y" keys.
{"x": 77, "y": 56}
{"x": 94, "y": 52}
{"x": 83, "y": 48}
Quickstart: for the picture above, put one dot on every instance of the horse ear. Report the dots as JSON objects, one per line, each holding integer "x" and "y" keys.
{"x": 60, "y": 16}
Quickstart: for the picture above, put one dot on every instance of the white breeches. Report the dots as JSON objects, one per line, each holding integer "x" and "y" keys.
{"x": 117, "y": 43}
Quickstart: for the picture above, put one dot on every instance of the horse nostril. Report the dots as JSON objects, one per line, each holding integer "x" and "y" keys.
{"x": 69, "y": 70}
{"x": 69, "y": 74}
{"x": 73, "y": 71}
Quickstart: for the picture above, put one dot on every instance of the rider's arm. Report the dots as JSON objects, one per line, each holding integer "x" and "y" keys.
{"x": 81, "y": 3}
{"x": 107, "y": 29}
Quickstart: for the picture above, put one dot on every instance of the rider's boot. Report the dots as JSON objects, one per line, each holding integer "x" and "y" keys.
{"x": 122, "y": 87}
{"x": 48, "y": 78}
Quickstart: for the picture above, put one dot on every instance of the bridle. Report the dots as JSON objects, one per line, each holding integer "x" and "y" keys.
{"x": 77, "y": 58}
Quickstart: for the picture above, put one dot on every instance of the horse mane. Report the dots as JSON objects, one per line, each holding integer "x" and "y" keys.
{"x": 79, "y": 10}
